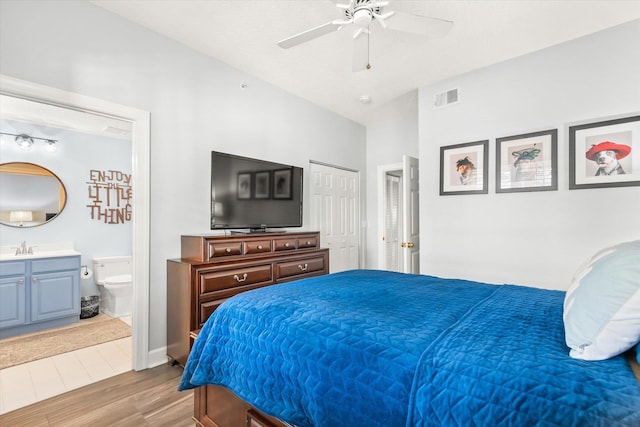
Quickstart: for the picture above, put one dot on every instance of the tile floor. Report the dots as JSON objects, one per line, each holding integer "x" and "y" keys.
{"x": 32, "y": 382}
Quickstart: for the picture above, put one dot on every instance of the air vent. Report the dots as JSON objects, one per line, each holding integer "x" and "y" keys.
{"x": 443, "y": 99}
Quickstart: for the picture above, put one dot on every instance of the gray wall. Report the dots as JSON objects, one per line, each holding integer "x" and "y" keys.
{"x": 537, "y": 238}
{"x": 196, "y": 104}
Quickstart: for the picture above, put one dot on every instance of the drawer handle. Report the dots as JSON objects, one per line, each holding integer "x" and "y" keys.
{"x": 260, "y": 247}
{"x": 227, "y": 250}
{"x": 303, "y": 267}
{"x": 308, "y": 243}
{"x": 286, "y": 245}
{"x": 238, "y": 279}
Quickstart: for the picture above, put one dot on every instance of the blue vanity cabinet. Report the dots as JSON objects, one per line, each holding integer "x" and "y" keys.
{"x": 55, "y": 288}
{"x": 13, "y": 294}
{"x": 46, "y": 294}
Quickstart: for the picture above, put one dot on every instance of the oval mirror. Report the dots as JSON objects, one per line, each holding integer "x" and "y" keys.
{"x": 30, "y": 195}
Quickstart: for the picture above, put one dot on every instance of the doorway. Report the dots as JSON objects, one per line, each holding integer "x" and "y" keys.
{"x": 140, "y": 145}
{"x": 398, "y": 216}
{"x": 335, "y": 212}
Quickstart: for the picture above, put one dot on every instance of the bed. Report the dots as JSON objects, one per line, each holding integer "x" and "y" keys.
{"x": 377, "y": 348}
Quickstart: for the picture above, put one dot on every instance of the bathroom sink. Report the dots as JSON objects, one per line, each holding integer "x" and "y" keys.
{"x": 48, "y": 250}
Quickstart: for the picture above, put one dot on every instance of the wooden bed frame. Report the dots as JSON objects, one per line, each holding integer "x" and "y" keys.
{"x": 216, "y": 406}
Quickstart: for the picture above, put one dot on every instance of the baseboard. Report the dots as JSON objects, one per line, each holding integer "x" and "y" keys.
{"x": 157, "y": 357}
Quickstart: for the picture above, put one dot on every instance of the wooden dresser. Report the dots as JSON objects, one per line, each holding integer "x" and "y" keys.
{"x": 215, "y": 268}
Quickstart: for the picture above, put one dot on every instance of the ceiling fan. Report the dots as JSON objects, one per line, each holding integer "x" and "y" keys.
{"x": 360, "y": 14}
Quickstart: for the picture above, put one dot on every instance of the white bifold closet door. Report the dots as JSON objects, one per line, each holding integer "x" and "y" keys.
{"x": 335, "y": 212}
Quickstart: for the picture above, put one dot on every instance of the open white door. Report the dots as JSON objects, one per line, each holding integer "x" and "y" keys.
{"x": 411, "y": 223}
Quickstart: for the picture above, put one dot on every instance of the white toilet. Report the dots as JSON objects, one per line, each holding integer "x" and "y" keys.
{"x": 113, "y": 275}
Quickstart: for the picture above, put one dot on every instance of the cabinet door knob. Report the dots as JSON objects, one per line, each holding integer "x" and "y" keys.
{"x": 238, "y": 279}
{"x": 21, "y": 282}
{"x": 303, "y": 267}
{"x": 34, "y": 279}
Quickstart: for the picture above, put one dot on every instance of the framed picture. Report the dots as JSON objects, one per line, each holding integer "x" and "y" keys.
{"x": 244, "y": 185}
{"x": 282, "y": 181}
{"x": 527, "y": 162}
{"x": 464, "y": 168}
{"x": 605, "y": 154}
{"x": 262, "y": 185}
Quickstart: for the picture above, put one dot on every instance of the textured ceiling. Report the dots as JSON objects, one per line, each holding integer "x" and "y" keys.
{"x": 243, "y": 34}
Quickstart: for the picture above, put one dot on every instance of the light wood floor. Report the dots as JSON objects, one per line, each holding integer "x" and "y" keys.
{"x": 145, "y": 398}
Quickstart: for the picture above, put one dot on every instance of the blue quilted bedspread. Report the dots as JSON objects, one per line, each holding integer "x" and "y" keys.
{"x": 373, "y": 348}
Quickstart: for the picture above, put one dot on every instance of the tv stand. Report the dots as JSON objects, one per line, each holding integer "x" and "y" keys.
{"x": 214, "y": 268}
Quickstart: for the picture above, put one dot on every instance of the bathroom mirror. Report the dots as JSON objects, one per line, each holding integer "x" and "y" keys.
{"x": 30, "y": 195}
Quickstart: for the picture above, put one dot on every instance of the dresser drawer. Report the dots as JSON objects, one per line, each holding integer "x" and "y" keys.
{"x": 284, "y": 244}
{"x": 309, "y": 242}
{"x": 299, "y": 267}
{"x": 225, "y": 279}
{"x": 225, "y": 249}
{"x": 256, "y": 247}
{"x": 206, "y": 308}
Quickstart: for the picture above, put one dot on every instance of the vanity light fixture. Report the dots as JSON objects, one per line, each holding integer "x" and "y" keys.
{"x": 25, "y": 141}
{"x": 51, "y": 145}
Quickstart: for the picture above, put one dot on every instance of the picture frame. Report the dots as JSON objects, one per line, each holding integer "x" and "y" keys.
{"x": 282, "y": 184}
{"x": 262, "y": 189}
{"x": 464, "y": 168}
{"x": 244, "y": 185}
{"x": 527, "y": 162}
{"x": 605, "y": 153}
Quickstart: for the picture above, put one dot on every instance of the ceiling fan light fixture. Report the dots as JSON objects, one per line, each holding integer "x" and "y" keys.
{"x": 362, "y": 17}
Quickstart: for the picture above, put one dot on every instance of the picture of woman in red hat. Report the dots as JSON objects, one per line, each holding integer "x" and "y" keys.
{"x": 607, "y": 155}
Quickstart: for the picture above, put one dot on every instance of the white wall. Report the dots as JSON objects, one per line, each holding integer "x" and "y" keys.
{"x": 387, "y": 141}
{"x": 536, "y": 238}
{"x": 196, "y": 104}
{"x": 76, "y": 155}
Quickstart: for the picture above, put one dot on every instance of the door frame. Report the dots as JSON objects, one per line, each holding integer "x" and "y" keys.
{"x": 140, "y": 159}
{"x": 383, "y": 170}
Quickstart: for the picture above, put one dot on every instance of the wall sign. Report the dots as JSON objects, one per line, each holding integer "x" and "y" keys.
{"x": 110, "y": 195}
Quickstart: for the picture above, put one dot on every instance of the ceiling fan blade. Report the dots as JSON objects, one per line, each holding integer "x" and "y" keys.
{"x": 361, "y": 51}
{"x": 381, "y": 18}
{"x": 417, "y": 24}
{"x": 311, "y": 34}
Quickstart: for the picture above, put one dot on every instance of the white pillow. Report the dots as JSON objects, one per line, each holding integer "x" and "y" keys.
{"x": 602, "y": 306}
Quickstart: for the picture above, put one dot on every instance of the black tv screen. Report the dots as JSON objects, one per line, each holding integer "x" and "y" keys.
{"x": 254, "y": 194}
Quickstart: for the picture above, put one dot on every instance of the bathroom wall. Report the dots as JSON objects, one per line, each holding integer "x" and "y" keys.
{"x": 77, "y": 154}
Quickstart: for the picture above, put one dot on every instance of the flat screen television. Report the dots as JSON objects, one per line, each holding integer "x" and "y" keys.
{"x": 254, "y": 195}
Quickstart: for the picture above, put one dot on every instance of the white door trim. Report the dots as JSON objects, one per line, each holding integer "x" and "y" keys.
{"x": 383, "y": 170}
{"x": 140, "y": 145}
